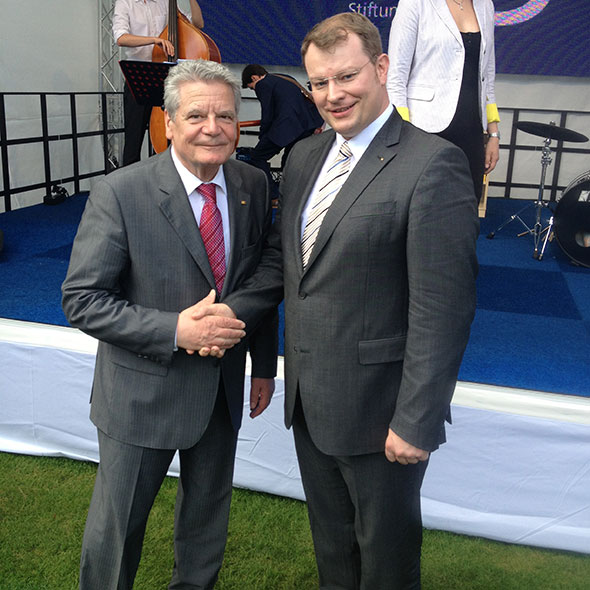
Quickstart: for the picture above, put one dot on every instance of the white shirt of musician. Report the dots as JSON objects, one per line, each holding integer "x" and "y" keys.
{"x": 146, "y": 18}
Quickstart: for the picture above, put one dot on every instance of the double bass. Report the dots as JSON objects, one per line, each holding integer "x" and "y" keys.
{"x": 189, "y": 43}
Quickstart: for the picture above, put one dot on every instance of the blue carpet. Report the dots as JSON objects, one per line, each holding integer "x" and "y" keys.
{"x": 33, "y": 264}
{"x": 531, "y": 330}
{"x": 525, "y": 291}
{"x": 532, "y": 325}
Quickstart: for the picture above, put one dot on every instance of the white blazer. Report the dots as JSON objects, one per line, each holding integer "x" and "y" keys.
{"x": 427, "y": 56}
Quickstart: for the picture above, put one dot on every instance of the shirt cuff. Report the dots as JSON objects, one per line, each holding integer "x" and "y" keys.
{"x": 492, "y": 113}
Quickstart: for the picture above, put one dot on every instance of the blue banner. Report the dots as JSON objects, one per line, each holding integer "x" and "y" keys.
{"x": 539, "y": 37}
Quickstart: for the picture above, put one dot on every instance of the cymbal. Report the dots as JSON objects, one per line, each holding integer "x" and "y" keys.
{"x": 550, "y": 131}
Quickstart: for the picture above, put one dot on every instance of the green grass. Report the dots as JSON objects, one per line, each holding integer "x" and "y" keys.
{"x": 43, "y": 504}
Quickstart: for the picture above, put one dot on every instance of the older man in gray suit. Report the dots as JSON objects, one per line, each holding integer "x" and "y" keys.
{"x": 375, "y": 251}
{"x": 154, "y": 238}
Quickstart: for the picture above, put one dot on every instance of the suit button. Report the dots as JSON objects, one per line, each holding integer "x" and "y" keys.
{"x": 302, "y": 295}
{"x": 295, "y": 349}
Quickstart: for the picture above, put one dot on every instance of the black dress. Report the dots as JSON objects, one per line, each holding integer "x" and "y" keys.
{"x": 465, "y": 130}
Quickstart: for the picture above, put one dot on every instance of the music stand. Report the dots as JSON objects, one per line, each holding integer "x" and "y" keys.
{"x": 146, "y": 80}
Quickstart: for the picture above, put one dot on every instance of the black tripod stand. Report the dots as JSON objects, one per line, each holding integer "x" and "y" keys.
{"x": 540, "y": 234}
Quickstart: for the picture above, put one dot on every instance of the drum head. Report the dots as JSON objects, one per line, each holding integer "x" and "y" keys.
{"x": 572, "y": 221}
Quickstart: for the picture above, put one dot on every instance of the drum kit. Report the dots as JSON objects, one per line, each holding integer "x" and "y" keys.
{"x": 570, "y": 222}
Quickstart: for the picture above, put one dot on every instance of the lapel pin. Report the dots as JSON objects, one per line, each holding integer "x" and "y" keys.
{"x": 381, "y": 158}
{"x": 242, "y": 202}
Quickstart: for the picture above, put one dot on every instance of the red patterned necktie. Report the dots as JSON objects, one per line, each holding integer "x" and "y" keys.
{"x": 212, "y": 233}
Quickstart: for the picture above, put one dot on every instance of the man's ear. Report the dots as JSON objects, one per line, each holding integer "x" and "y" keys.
{"x": 382, "y": 66}
{"x": 167, "y": 123}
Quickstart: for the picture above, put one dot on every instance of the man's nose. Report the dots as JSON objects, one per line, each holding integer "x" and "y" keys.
{"x": 334, "y": 90}
{"x": 211, "y": 125}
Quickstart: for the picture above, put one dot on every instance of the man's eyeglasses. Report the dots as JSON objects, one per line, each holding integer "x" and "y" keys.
{"x": 341, "y": 79}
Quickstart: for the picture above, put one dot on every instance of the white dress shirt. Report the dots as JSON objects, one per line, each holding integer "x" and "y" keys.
{"x": 358, "y": 145}
{"x": 145, "y": 18}
{"x": 196, "y": 200}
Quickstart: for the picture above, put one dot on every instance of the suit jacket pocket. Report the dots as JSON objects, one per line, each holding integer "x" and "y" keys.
{"x": 384, "y": 350}
{"x": 363, "y": 209}
{"x": 420, "y": 92}
{"x": 129, "y": 360}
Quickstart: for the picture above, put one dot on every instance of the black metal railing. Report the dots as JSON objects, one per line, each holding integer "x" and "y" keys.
{"x": 79, "y": 171}
{"x": 46, "y": 139}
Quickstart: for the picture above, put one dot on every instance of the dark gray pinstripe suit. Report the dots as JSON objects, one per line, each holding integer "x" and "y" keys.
{"x": 375, "y": 329}
{"x": 138, "y": 260}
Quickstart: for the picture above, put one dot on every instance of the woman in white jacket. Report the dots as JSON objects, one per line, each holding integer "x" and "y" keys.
{"x": 442, "y": 73}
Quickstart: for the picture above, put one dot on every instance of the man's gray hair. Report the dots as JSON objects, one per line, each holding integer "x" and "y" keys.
{"x": 199, "y": 70}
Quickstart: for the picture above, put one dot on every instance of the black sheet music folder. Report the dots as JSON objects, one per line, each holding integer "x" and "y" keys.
{"x": 146, "y": 80}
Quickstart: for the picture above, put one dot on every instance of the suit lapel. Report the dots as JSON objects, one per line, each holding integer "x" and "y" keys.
{"x": 175, "y": 206}
{"x": 481, "y": 16}
{"x": 441, "y": 8}
{"x": 314, "y": 160}
{"x": 239, "y": 203}
{"x": 380, "y": 152}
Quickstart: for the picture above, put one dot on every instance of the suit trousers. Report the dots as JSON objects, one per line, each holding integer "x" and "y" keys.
{"x": 127, "y": 482}
{"x": 364, "y": 514}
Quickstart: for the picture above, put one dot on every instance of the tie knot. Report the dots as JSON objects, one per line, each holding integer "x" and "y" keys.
{"x": 345, "y": 151}
{"x": 208, "y": 191}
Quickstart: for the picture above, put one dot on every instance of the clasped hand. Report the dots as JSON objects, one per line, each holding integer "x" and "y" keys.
{"x": 208, "y": 327}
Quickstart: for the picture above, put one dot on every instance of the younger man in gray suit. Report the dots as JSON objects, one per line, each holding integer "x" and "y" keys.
{"x": 374, "y": 248}
{"x": 155, "y": 237}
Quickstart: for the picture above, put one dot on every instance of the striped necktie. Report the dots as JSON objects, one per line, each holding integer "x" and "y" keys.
{"x": 211, "y": 228}
{"x": 330, "y": 185}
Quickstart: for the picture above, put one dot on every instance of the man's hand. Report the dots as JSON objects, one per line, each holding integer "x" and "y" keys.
{"x": 209, "y": 307}
{"x": 397, "y": 449}
{"x": 261, "y": 391}
{"x": 208, "y": 326}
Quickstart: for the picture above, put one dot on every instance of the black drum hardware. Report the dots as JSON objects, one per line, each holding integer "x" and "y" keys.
{"x": 571, "y": 221}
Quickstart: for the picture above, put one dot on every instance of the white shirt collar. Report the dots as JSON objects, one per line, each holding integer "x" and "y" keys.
{"x": 360, "y": 142}
{"x": 190, "y": 181}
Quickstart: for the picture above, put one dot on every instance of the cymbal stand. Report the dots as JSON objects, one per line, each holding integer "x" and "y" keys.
{"x": 537, "y": 230}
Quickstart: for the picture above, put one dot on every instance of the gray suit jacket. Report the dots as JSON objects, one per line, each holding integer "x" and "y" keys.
{"x": 376, "y": 326}
{"x": 137, "y": 261}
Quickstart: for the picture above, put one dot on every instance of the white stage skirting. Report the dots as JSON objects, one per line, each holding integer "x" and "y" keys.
{"x": 516, "y": 467}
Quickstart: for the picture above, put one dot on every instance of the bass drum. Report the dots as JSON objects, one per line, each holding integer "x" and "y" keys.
{"x": 572, "y": 220}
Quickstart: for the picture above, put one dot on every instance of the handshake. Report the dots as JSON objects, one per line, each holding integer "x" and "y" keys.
{"x": 208, "y": 328}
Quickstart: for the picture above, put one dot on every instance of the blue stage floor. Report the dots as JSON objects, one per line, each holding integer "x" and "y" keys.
{"x": 532, "y": 326}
